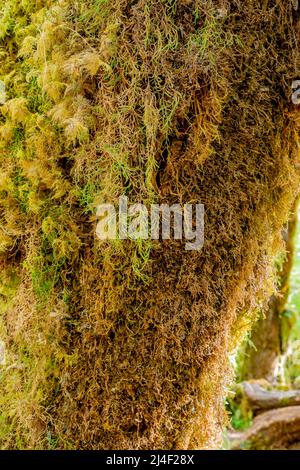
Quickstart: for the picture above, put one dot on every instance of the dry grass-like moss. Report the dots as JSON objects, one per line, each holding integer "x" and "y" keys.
{"x": 125, "y": 344}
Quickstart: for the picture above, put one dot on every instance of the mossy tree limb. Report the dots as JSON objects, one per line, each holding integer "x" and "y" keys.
{"x": 125, "y": 344}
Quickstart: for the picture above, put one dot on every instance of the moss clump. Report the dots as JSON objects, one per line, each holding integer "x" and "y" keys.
{"x": 125, "y": 344}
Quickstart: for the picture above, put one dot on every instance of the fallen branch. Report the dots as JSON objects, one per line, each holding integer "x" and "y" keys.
{"x": 275, "y": 429}
{"x": 261, "y": 399}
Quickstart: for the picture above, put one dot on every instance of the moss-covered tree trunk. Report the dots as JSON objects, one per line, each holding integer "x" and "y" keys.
{"x": 125, "y": 344}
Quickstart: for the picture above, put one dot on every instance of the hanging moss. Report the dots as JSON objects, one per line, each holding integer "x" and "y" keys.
{"x": 125, "y": 344}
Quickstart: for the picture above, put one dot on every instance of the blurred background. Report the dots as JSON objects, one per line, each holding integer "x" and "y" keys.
{"x": 264, "y": 405}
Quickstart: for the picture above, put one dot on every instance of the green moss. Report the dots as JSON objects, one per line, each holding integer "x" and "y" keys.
{"x": 146, "y": 100}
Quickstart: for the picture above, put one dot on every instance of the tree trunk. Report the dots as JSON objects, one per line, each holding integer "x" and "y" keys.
{"x": 124, "y": 344}
{"x": 267, "y": 341}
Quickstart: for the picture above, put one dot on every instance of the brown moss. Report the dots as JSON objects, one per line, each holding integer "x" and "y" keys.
{"x": 125, "y": 345}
